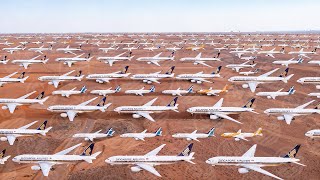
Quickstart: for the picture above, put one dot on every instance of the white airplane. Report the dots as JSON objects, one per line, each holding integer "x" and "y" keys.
{"x": 304, "y": 53}
{"x": 55, "y": 80}
{"x": 178, "y": 91}
{"x": 174, "y": 48}
{"x": 195, "y": 48}
{"x": 13, "y": 49}
{"x": 68, "y": 93}
{"x": 288, "y": 62}
{"x": 71, "y": 111}
{"x": 310, "y": 80}
{"x": 2, "y": 158}
{"x": 314, "y": 62}
{"x": 147, "y": 109}
{"x": 101, "y": 78}
{"x": 112, "y": 59}
{"x": 141, "y": 136}
{"x": 253, "y": 81}
{"x": 112, "y": 48}
{"x": 237, "y": 67}
{"x": 4, "y": 60}
{"x": 218, "y": 112}
{"x": 239, "y": 53}
{"x": 242, "y": 136}
{"x": 247, "y": 73}
{"x": 151, "y": 159}
{"x": 7, "y": 43}
{"x": 248, "y": 162}
{"x": 69, "y": 50}
{"x": 213, "y": 92}
{"x": 40, "y": 49}
{"x": 154, "y": 77}
{"x": 142, "y": 91}
{"x": 26, "y": 62}
{"x": 156, "y": 59}
{"x": 275, "y": 94}
{"x": 131, "y": 48}
{"x": 73, "y": 60}
{"x": 288, "y": 114}
{"x": 152, "y": 48}
{"x": 194, "y": 135}
{"x": 314, "y": 94}
{"x": 248, "y": 58}
{"x": 45, "y": 162}
{"x": 313, "y": 133}
{"x": 272, "y": 52}
{"x": 95, "y": 135}
{"x": 12, "y": 134}
{"x": 9, "y": 79}
{"x": 106, "y": 92}
{"x": 199, "y": 60}
{"x": 12, "y": 103}
{"x": 200, "y": 76}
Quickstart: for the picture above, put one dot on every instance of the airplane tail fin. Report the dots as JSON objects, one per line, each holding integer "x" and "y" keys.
{"x": 118, "y": 88}
{"x": 300, "y": 60}
{"x": 317, "y": 106}
{"x": 88, "y": 56}
{"x": 187, "y": 150}
{"x": 22, "y": 75}
{"x": 43, "y": 125}
{"x": 218, "y": 55}
{"x": 217, "y": 71}
{"x": 258, "y": 132}
{"x": 153, "y": 89}
{"x": 40, "y": 96}
{"x": 190, "y": 90}
{"x": 173, "y": 102}
{"x": 282, "y": 50}
{"x": 110, "y": 132}
{"x": 285, "y": 73}
{"x": 102, "y": 102}
{"x": 211, "y": 132}
{"x": 293, "y": 152}
{"x": 83, "y": 89}
{"x": 125, "y": 70}
{"x": 225, "y": 88}
{"x": 291, "y": 90}
{"x": 315, "y": 49}
{"x": 158, "y": 132}
{"x": 249, "y": 103}
{"x": 3, "y": 152}
{"x": 172, "y": 54}
{"x": 79, "y": 74}
{"x": 88, "y": 150}
{"x": 170, "y": 71}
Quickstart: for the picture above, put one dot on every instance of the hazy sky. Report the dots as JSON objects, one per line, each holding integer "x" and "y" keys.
{"x": 22, "y": 16}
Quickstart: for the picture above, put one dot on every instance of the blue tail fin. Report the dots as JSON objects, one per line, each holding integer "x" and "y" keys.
{"x": 293, "y": 152}
{"x": 125, "y": 70}
{"x": 249, "y": 103}
{"x": 217, "y": 71}
{"x": 159, "y": 132}
{"x": 110, "y": 132}
{"x": 291, "y": 90}
{"x": 118, "y": 88}
{"x": 285, "y": 73}
{"x": 187, "y": 150}
{"x": 83, "y": 89}
{"x": 152, "y": 89}
{"x": 102, "y": 102}
{"x": 43, "y": 125}
{"x": 88, "y": 150}
{"x": 170, "y": 71}
{"x": 211, "y": 132}
{"x": 190, "y": 90}
{"x": 173, "y": 102}
{"x": 300, "y": 60}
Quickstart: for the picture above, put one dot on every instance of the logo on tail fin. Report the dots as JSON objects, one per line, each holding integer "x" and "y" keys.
{"x": 125, "y": 70}
{"x": 190, "y": 90}
{"x": 43, "y": 125}
{"x": 249, "y": 103}
{"x": 170, "y": 71}
{"x": 3, "y": 152}
{"x": 102, "y": 102}
{"x": 118, "y": 88}
{"x": 285, "y": 73}
{"x": 22, "y": 75}
{"x": 217, "y": 71}
{"x": 173, "y": 102}
{"x": 80, "y": 73}
{"x": 110, "y": 132}
{"x": 88, "y": 150}
{"x": 317, "y": 106}
{"x": 293, "y": 152}
{"x": 186, "y": 151}
{"x": 40, "y": 96}
{"x": 159, "y": 132}
{"x": 152, "y": 89}
{"x": 83, "y": 89}
{"x": 291, "y": 90}
{"x": 211, "y": 132}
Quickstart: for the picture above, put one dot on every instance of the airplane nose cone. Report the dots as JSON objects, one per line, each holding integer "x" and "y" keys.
{"x": 108, "y": 161}
{"x": 208, "y": 161}
{"x": 15, "y": 159}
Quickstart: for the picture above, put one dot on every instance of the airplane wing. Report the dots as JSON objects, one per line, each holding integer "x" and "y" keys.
{"x": 201, "y": 79}
{"x": 203, "y": 63}
{"x": 11, "y": 107}
{"x": 66, "y": 74}
{"x": 150, "y": 102}
{"x": 194, "y": 132}
{"x": 224, "y": 116}
{"x": 155, "y": 151}
{"x": 250, "y": 152}
{"x": 252, "y": 86}
{"x": 195, "y": 139}
{"x": 45, "y": 167}
{"x": 9, "y": 76}
{"x": 157, "y": 55}
{"x": 268, "y": 73}
{"x": 66, "y": 151}
{"x": 271, "y": 55}
{"x": 153, "y": 80}
{"x": 25, "y": 65}
{"x": 288, "y": 118}
{"x": 198, "y": 56}
{"x": 71, "y": 115}
{"x": 79, "y": 55}
{"x": 98, "y": 131}
{"x": 120, "y": 54}
{"x": 35, "y": 57}
{"x": 27, "y": 95}
{"x": 241, "y": 137}
{"x": 146, "y": 115}
{"x": 28, "y": 125}
{"x": 219, "y": 103}
{"x": 11, "y": 139}
{"x": 148, "y": 168}
{"x": 155, "y": 62}
{"x": 260, "y": 170}
{"x": 304, "y": 105}
{"x": 87, "y": 102}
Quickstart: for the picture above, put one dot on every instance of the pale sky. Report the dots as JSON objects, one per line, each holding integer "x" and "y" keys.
{"x": 57, "y": 16}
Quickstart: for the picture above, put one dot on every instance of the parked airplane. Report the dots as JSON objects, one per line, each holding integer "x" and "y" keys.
{"x": 55, "y": 80}
{"x": 239, "y": 53}
{"x": 304, "y": 53}
{"x": 12, "y": 103}
{"x": 199, "y": 60}
{"x": 142, "y": 135}
{"x": 147, "y": 109}
{"x": 156, "y": 59}
{"x": 194, "y": 135}
{"x": 200, "y": 76}
{"x": 73, "y": 60}
{"x": 26, "y": 62}
{"x": 105, "y": 92}
{"x": 218, "y": 112}
{"x": 275, "y": 94}
{"x": 9, "y": 79}
{"x": 314, "y": 62}
{"x": 68, "y": 93}
{"x": 12, "y": 134}
{"x": 242, "y": 136}
{"x": 310, "y": 80}
{"x": 174, "y": 48}
{"x": 95, "y": 135}
{"x": 178, "y": 91}
{"x": 40, "y": 49}
{"x": 213, "y": 92}
{"x": 248, "y": 58}
{"x": 7, "y": 43}
{"x": 2, "y": 158}
{"x": 154, "y": 77}
{"x": 237, "y": 67}
{"x": 248, "y": 162}
{"x": 314, "y": 94}
{"x": 313, "y": 133}
{"x": 151, "y": 159}
{"x": 109, "y": 48}
{"x": 112, "y": 59}
{"x": 45, "y": 162}
{"x": 272, "y": 52}
{"x": 4, "y": 60}
{"x": 101, "y": 78}
{"x": 142, "y": 91}
{"x": 288, "y": 114}
{"x": 253, "y": 81}
{"x": 13, "y": 49}
{"x": 152, "y": 48}
{"x": 288, "y": 62}
{"x": 71, "y": 111}
{"x": 69, "y": 50}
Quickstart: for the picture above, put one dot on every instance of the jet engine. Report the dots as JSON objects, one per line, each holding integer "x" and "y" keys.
{"x": 317, "y": 86}
{"x": 86, "y": 139}
{"x": 64, "y": 115}
{"x": 280, "y": 118}
{"x": 149, "y": 82}
{"x": 144, "y": 80}
{"x": 35, "y": 168}
{"x": 99, "y": 81}
{"x": 243, "y": 170}
{"x": 4, "y": 107}
{"x": 214, "y": 117}
{"x": 237, "y": 139}
{"x": 50, "y": 83}
{"x": 135, "y": 169}
{"x": 269, "y": 97}
{"x": 136, "y": 116}
{"x": 195, "y": 63}
{"x": 3, "y": 139}
{"x": 245, "y": 86}
{"x": 149, "y": 62}
{"x": 193, "y": 80}
{"x": 199, "y": 82}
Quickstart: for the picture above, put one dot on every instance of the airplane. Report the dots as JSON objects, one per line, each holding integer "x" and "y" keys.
{"x": 154, "y": 77}
{"x": 40, "y": 49}
{"x": 247, "y": 73}
{"x": 212, "y": 43}
{"x": 2, "y": 158}
{"x": 109, "y": 49}
{"x": 151, "y": 159}
{"x": 106, "y": 92}
{"x": 304, "y": 53}
{"x": 101, "y": 78}
{"x": 12, "y": 103}
{"x": 13, "y": 49}
{"x": 26, "y": 62}
{"x": 140, "y": 92}
{"x": 147, "y": 109}
{"x": 217, "y": 112}
{"x": 9, "y": 79}
{"x": 288, "y": 62}
{"x": 71, "y": 111}
{"x": 239, "y": 53}
{"x": 178, "y": 91}
{"x": 95, "y": 135}
{"x": 195, "y": 48}
{"x": 248, "y": 162}
{"x": 112, "y": 59}
{"x": 68, "y": 93}
{"x": 131, "y": 48}
{"x": 7, "y": 43}
{"x": 272, "y": 52}
{"x": 288, "y": 114}
{"x": 194, "y": 135}
{"x": 174, "y": 48}
{"x": 73, "y": 60}
{"x": 141, "y": 136}
{"x": 248, "y": 58}
{"x": 237, "y": 67}
{"x": 242, "y": 136}
{"x": 314, "y": 94}
{"x": 45, "y": 162}
{"x": 213, "y": 92}
{"x": 275, "y": 94}
{"x": 199, "y": 60}
{"x": 310, "y": 80}
{"x": 313, "y": 133}
{"x": 314, "y": 62}
{"x": 12, "y": 134}
{"x": 152, "y": 48}
{"x": 156, "y": 59}
{"x": 4, "y": 60}
{"x": 253, "y": 81}
{"x": 55, "y": 80}
{"x": 200, "y": 76}
{"x": 69, "y": 50}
